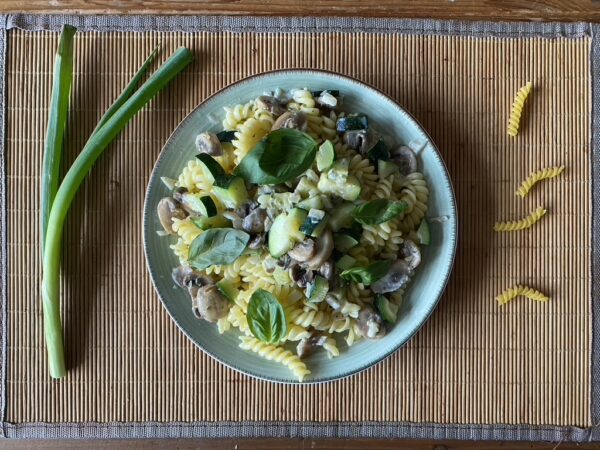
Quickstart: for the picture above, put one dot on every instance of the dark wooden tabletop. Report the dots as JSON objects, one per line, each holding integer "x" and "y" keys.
{"x": 507, "y": 10}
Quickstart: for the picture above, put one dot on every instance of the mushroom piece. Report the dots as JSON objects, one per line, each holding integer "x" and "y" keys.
{"x": 327, "y": 270}
{"x": 309, "y": 344}
{"x": 209, "y": 143}
{"x": 168, "y": 209}
{"x": 370, "y": 323}
{"x": 324, "y": 248}
{"x": 334, "y": 299}
{"x": 188, "y": 201}
{"x": 396, "y": 278}
{"x": 257, "y": 241}
{"x": 410, "y": 253}
{"x": 210, "y": 304}
{"x": 255, "y": 221}
{"x": 303, "y": 251}
{"x": 270, "y": 104}
{"x": 236, "y": 221}
{"x": 186, "y": 277}
{"x": 291, "y": 119}
{"x": 302, "y": 277}
{"x": 360, "y": 140}
{"x": 406, "y": 159}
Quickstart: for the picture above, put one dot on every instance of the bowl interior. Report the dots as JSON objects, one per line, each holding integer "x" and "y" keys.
{"x": 422, "y": 294}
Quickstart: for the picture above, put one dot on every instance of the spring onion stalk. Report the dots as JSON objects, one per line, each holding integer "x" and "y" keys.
{"x": 57, "y": 121}
{"x": 67, "y": 190}
{"x": 128, "y": 91}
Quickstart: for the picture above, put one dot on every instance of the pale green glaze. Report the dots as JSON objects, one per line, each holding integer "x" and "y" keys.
{"x": 422, "y": 294}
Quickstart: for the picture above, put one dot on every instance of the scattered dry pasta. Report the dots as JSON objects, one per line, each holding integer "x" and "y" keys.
{"x": 517, "y": 109}
{"x": 523, "y": 291}
{"x": 535, "y": 177}
{"x": 521, "y": 224}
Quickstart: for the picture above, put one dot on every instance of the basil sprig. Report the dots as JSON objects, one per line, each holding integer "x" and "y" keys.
{"x": 368, "y": 275}
{"x": 283, "y": 155}
{"x": 217, "y": 246}
{"x": 378, "y": 211}
{"x": 266, "y": 317}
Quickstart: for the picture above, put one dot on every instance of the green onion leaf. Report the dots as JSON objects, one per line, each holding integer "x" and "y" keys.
{"x": 68, "y": 188}
{"x": 57, "y": 121}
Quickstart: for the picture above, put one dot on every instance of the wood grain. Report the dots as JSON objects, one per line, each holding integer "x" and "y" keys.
{"x": 276, "y": 444}
{"x": 558, "y": 10}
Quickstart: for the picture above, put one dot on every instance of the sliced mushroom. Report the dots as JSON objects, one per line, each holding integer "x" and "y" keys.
{"x": 406, "y": 159}
{"x": 257, "y": 241}
{"x": 168, "y": 209}
{"x": 185, "y": 277}
{"x": 270, "y": 104}
{"x": 324, "y": 248}
{"x": 361, "y": 140}
{"x": 302, "y": 277}
{"x": 370, "y": 323}
{"x": 210, "y": 303}
{"x": 209, "y": 143}
{"x": 303, "y": 251}
{"x": 327, "y": 270}
{"x": 188, "y": 201}
{"x": 410, "y": 253}
{"x": 291, "y": 119}
{"x": 255, "y": 221}
{"x": 236, "y": 221}
{"x": 397, "y": 277}
{"x": 309, "y": 344}
{"x": 285, "y": 262}
{"x": 335, "y": 300}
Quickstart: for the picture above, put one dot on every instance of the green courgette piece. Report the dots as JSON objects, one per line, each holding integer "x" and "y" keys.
{"x": 345, "y": 262}
{"x": 234, "y": 195}
{"x": 314, "y": 221}
{"x": 325, "y": 156}
{"x": 386, "y": 168}
{"x": 388, "y": 310}
{"x": 206, "y": 223}
{"x": 285, "y": 232}
{"x": 343, "y": 242}
{"x": 317, "y": 290}
{"x": 225, "y": 136}
{"x": 423, "y": 233}
{"x": 227, "y": 288}
{"x": 341, "y": 217}
{"x": 352, "y": 122}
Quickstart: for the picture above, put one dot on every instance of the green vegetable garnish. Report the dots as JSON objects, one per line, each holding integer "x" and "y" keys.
{"x": 368, "y": 275}
{"x": 226, "y": 136}
{"x": 283, "y": 155}
{"x": 266, "y": 317}
{"x": 217, "y": 246}
{"x": 94, "y": 147}
{"x": 378, "y": 211}
{"x": 57, "y": 120}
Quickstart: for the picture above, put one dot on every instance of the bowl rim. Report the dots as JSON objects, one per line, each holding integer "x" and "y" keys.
{"x": 452, "y": 236}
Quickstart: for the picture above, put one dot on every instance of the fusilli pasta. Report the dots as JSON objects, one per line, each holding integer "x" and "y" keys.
{"x": 519, "y": 290}
{"x": 277, "y": 354}
{"x": 521, "y": 224}
{"x": 517, "y": 109}
{"x": 537, "y": 176}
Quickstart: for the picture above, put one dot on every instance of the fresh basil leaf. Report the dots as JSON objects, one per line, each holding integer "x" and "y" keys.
{"x": 217, "y": 246}
{"x": 266, "y": 317}
{"x": 283, "y": 155}
{"x": 368, "y": 275}
{"x": 221, "y": 178}
{"x": 378, "y": 211}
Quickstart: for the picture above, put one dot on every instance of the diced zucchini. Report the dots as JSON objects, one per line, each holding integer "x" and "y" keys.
{"x": 388, "y": 310}
{"x": 313, "y": 222}
{"x": 341, "y": 217}
{"x": 423, "y": 233}
{"x": 333, "y": 92}
{"x": 343, "y": 242}
{"x": 205, "y": 223}
{"x": 386, "y": 168}
{"x": 380, "y": 151}
{"x": 234, "y": 194}
{"x": 339, "y": 171}
{"x": 226, "y": 136}
{"x": 345, "y": 262}
{"x": 352, "y": 122}
{"x": 351, "y": 189}
{"x": 325, "y": 156}
{"x": 285, "y": 232}
{"x": 355, "y": 230}
{"x": 227, "y": 288}
{"x": 220, "y": 177}
{"x": 208, "y": 206}
{"x": 168, "y": 182}
{"x": 315, "y": 202}
{"x": 317, "y": 290}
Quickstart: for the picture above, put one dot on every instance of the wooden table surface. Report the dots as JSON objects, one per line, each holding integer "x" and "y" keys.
{"x": 549, "y": 10}
{"x": 513, "y": 10}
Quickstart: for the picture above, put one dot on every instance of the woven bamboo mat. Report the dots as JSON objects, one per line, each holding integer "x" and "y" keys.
{"x": 472, "y": 363}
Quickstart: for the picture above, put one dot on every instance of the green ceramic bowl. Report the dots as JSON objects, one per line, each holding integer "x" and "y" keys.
{"x": 422, "y": 294}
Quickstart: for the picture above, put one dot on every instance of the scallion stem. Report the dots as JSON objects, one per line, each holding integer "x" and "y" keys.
{"x": 68, "y": 188}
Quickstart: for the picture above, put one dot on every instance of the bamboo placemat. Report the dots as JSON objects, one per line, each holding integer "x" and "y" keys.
{"x": 474, "y": 370}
